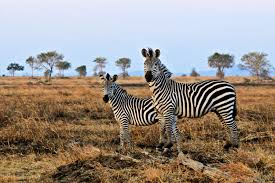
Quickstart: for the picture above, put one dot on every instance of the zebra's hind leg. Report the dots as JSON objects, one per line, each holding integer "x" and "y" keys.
{"x": 227, "y": 117}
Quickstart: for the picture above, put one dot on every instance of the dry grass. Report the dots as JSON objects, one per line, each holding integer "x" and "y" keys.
{"x": 63, "y": 131}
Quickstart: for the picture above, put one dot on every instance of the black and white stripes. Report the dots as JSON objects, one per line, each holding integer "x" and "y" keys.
{"x": 173, "y": 99}
{"x": 127, "y": 108}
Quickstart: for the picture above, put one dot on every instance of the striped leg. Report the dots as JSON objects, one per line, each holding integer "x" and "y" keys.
{"x": 177, "y": 135}
{"x": 169, "y": 120}
{"x": 162, "y": 138}
{"x": 124, "y": 134}
{"x": 228, "y": 119}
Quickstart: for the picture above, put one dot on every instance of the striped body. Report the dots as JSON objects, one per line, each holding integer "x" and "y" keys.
{"x": 194, "y": 99}
{"x": 190, "y": 100}
{"x": 136, "y": 111}
{"x": 129, "y": 110}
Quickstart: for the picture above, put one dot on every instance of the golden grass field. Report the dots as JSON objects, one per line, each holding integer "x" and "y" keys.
{"x": 64, "y": 132}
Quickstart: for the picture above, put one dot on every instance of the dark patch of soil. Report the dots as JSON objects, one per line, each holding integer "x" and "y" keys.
{"x": 90, "y": 170}
{"x": 114, "y": 162}
{"x": 79, "y": 171}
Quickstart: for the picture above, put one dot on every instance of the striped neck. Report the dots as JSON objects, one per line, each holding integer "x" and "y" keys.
{"x": 119, "y": 95}
{"x": 159, "y": 81}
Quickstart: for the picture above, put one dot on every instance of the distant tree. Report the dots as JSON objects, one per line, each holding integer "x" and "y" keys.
{"x": 220, "y": 61}
{"x": 124, "y": 63}
{"x": 31, "y": 62}
{"x": 14, "y": 67}
{"x": 100, "y": 65}
{"x": 47, "y": 61}
{"x": 82, "y": 70}
{"x": 62, "y": 66}
{"x": 257, "y": 64}
{"x": 194, "y": 73}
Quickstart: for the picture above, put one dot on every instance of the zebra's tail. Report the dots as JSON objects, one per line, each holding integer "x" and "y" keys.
{"x": 235, "y": 111}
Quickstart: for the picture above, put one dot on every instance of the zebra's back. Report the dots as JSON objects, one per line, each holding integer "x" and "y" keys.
{"x": 197, "y": 99}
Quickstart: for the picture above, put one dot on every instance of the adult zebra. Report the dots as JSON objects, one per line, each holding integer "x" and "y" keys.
{"x": 129, "y": 109}
{"x": 192, "y": 100}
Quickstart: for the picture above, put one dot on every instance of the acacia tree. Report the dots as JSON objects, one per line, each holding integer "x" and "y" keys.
{"x": 220, "y": 61}
{"x": 62, "y": 66}
{"x": 31, "y": 62}
{"x": 82, "y": 70}
{"x": 14, "y": 67}
{"x": 47, "y": 61}
{"x": 100, "y": 65}
{"x": 257, "y": 64}
{"x": 194, "y": 73}
{"x": 124, "y": 63}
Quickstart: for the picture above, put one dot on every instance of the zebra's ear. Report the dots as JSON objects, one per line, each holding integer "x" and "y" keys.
{"x": 144, "y": 52}
{"x": 108, "y": 76}
{"x": 115, "y": 78}
{"x": 157, "y": 53}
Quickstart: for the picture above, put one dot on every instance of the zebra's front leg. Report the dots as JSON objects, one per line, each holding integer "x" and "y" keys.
{"x": 162, "y": 138}
{"x": 124, "y": 136}
{"x": 169, "y": 120}
{"x": 177, "y": 136}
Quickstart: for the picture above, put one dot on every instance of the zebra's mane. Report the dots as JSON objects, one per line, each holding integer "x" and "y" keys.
{"x": 150, "y": 52}
{"x": 164, "y": 70}
{"x": 118, "y": 87}
{"x": 162, "y": 67}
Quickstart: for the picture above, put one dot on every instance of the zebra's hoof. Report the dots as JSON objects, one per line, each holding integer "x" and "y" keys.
{"x": 168, "y": 145}
{"x": 167, "y": 152}
{"x": 160, "y": 147}
{"x": 235, "y": 146}
{"x": 227, "y": 146}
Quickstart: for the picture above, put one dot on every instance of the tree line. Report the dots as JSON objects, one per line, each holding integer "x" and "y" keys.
{"x": 255, "y": 62}
{"x": 48, "y": 61}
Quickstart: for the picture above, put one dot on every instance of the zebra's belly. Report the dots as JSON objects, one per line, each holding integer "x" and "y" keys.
{"x": 143, "y": 122}
{"x": 142, "y": 116}
{"x": 190, "y": 112}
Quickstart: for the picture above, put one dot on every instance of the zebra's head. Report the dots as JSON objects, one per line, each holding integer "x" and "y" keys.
{"x": 108, "y": 86}
{"x": 152, "y": 63}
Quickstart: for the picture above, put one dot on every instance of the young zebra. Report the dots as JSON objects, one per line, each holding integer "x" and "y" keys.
{"x": 129, "y": 109}
{"x": 193, "y": 100}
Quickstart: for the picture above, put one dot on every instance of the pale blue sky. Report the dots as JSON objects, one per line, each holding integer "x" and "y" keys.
{"x": 186, "y": 32}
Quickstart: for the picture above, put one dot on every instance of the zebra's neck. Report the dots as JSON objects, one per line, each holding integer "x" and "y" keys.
{"x": 161, "y": 82}
{"x": 165, "y": 70}
{"x": 119, "y": 95}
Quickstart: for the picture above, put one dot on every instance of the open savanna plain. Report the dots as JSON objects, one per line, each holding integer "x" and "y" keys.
{"x": 63, "y": 132}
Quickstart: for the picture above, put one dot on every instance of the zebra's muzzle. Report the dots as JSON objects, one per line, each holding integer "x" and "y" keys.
{"x": 148, "y": 76}
{"x": 106, "y": 98}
